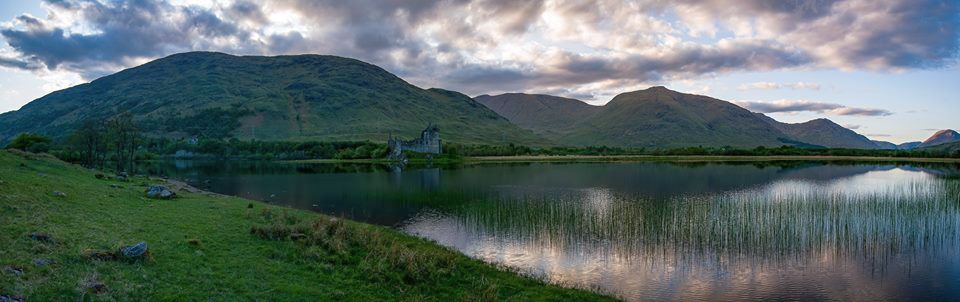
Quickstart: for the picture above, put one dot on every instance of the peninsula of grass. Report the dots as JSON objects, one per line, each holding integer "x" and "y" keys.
{"x": 204, "y": 246}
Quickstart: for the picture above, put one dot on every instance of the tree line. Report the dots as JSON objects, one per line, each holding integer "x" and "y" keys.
{"x": 119, "y": 143}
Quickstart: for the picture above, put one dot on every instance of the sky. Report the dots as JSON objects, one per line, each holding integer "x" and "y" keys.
{"x": 884, "y": 68}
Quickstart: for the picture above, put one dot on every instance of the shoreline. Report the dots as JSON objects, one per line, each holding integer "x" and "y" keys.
{"x": 271, "y": 252}
{"x": 639, "y": 158}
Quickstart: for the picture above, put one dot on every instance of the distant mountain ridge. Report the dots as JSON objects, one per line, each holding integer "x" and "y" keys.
{"x": 940, "y": 137}
{"x": 301, "y": 97}
{"x": 659, "y": 117}
{"x": 544, "y": 114}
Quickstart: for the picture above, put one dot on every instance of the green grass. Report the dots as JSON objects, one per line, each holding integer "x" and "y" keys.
{"x": 210, "y": 247}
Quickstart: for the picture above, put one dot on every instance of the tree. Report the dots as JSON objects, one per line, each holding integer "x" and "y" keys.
{"x": 30, "y": 142}
{"x": 124, "y": 137}
{"x": 90, "y": 142}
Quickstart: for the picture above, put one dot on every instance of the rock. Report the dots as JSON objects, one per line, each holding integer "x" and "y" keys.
{"x": 194, "y": 242}
{"x": 42, "y": 262}
{"x": 13, "y": 270}
{"x": 95, "y": 286}
{"x": 100, "y": 176}
{"x": 42, "y": 237}
{"x": 160, "y": 192}
{"x": 297, "y": 236}
{"x": 116, "y": 186}
{"x": 59, "y": 194}
{"x": 101, "y": 255}
{"x": 9, "y": 298}
{"x": 138, "y": 250}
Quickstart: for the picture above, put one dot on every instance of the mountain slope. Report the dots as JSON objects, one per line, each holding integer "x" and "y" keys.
{"x": 823, "y": 132}
{"x": 659, "y": 117}
{"x": 941, "y": 137}
{"x": 885, "y": 145}
{"x": 545, "y": 114}
{"x": 272, "y": 98}
{"x": 908, "y": 145}
{"x": 952, "y": 148}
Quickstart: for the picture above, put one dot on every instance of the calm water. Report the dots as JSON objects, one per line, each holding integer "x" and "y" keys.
{"x": 653, "y": 231}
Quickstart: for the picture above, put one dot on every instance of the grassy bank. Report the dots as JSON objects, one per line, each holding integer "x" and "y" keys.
{"x": 210, "y": 247}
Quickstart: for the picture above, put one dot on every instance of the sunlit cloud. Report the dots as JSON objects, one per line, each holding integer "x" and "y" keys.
{"x": 794, "y": 106}
{"x": 491, "y": 46}
{"x": 775, "y": 86}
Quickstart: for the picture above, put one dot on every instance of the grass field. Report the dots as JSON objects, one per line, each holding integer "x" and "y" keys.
{"x": 204, "y": 246}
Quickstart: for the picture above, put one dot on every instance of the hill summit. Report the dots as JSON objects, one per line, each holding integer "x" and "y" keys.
{"x": 658, "y": 117}
{"x": 300, "y": 97}
{"x": 941, "y": 137}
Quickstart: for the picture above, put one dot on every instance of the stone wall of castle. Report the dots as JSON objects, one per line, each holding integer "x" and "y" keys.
{"x": 429, "y": 142}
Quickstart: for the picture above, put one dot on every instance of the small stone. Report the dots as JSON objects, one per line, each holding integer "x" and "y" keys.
{"x": 99, "y": 255}
{"x": 43, "y": 237}
{"x": 13, "y": 270}
{"x": 116, "y": 186}
{"x": 138, "y": 250}
{"x": 160, "y": 192}
{"x": 9, "y": 298}
{"x": 42, "y": 262}
{"x": 59, "y": 194}
{"x": 273, "y": 195}
{"x": 96, "y": 287}
{"x": 297, "y": 236}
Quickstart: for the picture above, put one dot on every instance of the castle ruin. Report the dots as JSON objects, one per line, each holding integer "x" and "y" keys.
{"x": 429, "y": 142}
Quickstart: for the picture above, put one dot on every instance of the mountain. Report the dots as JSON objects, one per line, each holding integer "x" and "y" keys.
{"x": 952, "y": 148}
{"x": 301, "y": 97}
{"x": 823, "y": 132}
{"x": 656, "y": 117}
{"x": 545, "y": 114}
{"x": 659, "y": 117}
{"x": 885, "y": 145}
{"x": 908, "y": 145}
{"x": 941, "y": 137}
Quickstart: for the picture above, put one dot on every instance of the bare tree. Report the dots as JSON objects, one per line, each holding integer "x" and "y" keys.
{"x": 124, "y": 136}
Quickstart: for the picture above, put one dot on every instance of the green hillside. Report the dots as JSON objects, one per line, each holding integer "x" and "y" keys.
{"x": 947, "y": 148}
{"x": 655, "y": 117}
{"x": 940, "y": 138}
{"x": 547, "y": 115}
{"x": 824, "y": 132}
{"x": 303, "y": 97}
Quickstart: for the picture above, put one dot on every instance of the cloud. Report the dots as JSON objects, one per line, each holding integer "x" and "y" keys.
{"x": 878, "y": 135}
{"x": 860, "y": 111}
{"x": 852, "y": 126}
{"x": 775, "y": 86}
{"x": 490, "y": 46}
{"x": 793, "y": 106}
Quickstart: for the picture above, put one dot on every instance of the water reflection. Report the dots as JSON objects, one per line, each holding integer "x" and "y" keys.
{"x": 851, "y": 238}
{"x": 655, "y": 231}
